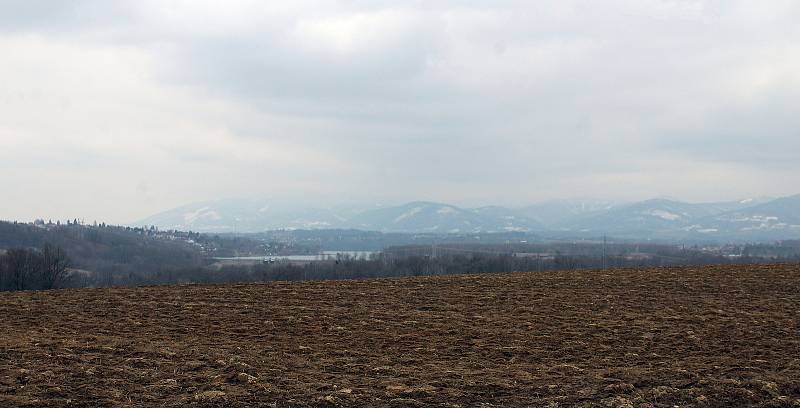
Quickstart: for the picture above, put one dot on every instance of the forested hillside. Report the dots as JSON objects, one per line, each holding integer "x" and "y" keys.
{"x": 109, "y": 252}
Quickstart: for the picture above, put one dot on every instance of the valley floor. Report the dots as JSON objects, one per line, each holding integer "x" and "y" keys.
{"x": 705, "y": 336}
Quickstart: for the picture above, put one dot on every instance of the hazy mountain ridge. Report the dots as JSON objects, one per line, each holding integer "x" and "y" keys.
{"x": 551, "y": 213}
{"x": 444, "y": 218}
{"x": 244, "y": 216}
{"x": 761, "y": 219}
{"x": 774, "y": 219}
{"x": 642, "y": 217}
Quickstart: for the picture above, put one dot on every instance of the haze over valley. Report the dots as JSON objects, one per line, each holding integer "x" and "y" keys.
{"x": 760, "y": 219}
{"x": 117, "y": 111}
{"x": 385, "y": 204}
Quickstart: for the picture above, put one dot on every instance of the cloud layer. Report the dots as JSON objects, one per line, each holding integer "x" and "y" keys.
{"x": 116, "y": 110}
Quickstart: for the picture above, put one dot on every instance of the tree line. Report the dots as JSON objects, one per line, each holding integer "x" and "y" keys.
{"x": 105, "y": 255}
{"x": 102, "y": 256}
{"x": 388, "y": 265}
{"x": 22, "y": 269}
{"x": 32, "y": 269}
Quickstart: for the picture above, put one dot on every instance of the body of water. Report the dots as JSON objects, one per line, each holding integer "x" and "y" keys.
{"x": 323, "y": 256}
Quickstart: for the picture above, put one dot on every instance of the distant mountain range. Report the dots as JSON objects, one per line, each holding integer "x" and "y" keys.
{"x": 442, "y": 218}
{"x": 663, "y": 219}
{"x": 246, "y": 216}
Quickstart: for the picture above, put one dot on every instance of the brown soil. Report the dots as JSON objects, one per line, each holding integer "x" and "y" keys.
{"x": 710, "y": 336}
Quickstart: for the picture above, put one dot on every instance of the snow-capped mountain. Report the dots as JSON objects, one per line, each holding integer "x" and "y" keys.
{"x": 509, "y": 219}
{"x": 256, "y": 216}
{"x": 753, "y": 219}
{"x": 642, "y": 218}
{"x": 775, "y": 219}
{"x": 244, "y": 216}
{"x": 443, "y": 218}
{"x": 550, "y": 213}
{"x": 670, "y": 219}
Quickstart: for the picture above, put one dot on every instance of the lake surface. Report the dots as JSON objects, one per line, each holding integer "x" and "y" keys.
{"x": 324, "y": 255}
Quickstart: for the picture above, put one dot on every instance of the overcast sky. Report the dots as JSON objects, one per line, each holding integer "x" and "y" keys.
{"x": 115, "y": 110}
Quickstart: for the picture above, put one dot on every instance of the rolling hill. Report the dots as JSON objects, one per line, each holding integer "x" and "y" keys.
{"x": 642, "y": 218}
{"x": 243, "y": 216}
{"x": 752, "y": 219}
{"x": 435, "y": 217}
{"x": 775, "y": 219}
{"x": 551, "y": 213}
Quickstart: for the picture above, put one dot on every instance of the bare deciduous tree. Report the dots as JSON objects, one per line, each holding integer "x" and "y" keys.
{"x": 31, "y": 269}
{"x": 55, "y": 265}
{"x": 21, "y": 268}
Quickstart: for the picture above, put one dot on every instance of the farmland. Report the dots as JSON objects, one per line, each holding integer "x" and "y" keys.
{"x": 703, "y": 336}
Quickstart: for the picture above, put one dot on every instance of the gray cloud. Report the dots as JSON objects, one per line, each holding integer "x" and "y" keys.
{"x": 505, "y": 102}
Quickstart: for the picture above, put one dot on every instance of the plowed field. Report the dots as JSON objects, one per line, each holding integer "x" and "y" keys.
{"x": 710, "y": 336}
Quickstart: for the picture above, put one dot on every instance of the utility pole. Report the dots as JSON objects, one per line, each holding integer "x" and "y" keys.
{"x": 604, "y": 252}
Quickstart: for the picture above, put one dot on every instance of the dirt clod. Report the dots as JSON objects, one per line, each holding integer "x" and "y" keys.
{"x": 246, "y": 378}
{"x": 209, "y": 396}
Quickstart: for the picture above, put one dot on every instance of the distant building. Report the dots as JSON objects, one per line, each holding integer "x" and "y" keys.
{"x": 638, "y": 256}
